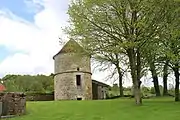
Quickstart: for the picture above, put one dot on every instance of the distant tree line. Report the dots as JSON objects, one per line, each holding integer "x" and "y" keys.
{"x": 146, "y": 91}
{"x": 29, "y": 83}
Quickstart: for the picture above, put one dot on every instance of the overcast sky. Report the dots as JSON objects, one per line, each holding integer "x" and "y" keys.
{"x": 29, "y": 36}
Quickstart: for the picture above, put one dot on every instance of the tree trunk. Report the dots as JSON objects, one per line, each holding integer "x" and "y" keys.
{"x": 120, "y": 81}
{"x": 120, "y": 77}
{"x": 133, "y": 67}
{"x": 165, "y": 75}
{"x": 176, "y": 73}
{"x": 155, "y": 79}
{"x": 120, "y": 86}
{"x": 138, "y": 68}
{"x": 134, "y": 58}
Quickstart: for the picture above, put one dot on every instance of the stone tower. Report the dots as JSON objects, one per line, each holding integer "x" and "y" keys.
{"x": 72, "y": 80}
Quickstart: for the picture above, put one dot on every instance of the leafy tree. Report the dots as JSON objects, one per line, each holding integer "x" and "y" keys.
{"x": 170, "y": 37}
{"x": 151, "y": 58}
{"x": 116, "y": 26}
{"x": 28, "y": 83}
{"x": 109, "y": 59}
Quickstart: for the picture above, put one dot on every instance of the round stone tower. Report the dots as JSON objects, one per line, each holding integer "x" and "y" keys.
{"x": 72, "y": 80}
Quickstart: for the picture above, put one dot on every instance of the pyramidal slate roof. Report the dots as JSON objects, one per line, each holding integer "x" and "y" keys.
{"x": 70, "y": 47}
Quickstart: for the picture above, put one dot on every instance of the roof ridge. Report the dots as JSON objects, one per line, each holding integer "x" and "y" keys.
{"x": 70, "y": 47}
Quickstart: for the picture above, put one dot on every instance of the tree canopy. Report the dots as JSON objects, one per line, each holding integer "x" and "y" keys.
{"x": 29, "y": 83}
{"x": 127, "y": 27}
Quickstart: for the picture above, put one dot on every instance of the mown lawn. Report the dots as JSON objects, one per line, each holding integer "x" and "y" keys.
{"x": 119, "y": 109}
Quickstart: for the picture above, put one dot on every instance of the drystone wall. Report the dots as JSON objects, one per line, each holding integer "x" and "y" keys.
{"x": 13, "y": 103}
{"x": 40, "y": 97}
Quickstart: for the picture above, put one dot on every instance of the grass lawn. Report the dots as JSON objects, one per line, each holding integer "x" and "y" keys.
{"x": 119, "y": 109}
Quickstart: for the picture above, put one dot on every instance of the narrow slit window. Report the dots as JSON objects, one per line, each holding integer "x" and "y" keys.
{"x": 78, "y": 80}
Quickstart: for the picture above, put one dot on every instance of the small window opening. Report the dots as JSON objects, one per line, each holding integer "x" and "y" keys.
{"x": 78, "y": 80}
{"x": 78, "y": 69}
{"x": 79, "y": 98}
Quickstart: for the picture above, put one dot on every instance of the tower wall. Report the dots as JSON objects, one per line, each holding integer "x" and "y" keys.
{"x": 67, "y": 66}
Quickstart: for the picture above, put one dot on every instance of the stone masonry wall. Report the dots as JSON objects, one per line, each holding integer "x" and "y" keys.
{"x": 40, "y": 97}
{"x": 70, "y": 62}
{"x": 13, "y": 103}
{"x": 66, "y": 89}
{"x": 88, "y": 86}
{"x": 65, "y": 77}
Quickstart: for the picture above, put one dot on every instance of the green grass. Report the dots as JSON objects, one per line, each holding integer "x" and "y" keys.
{"x": 119, "y": 109}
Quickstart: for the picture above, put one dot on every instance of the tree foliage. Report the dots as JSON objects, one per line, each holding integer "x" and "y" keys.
{"x": 28, "y": 83}
{"x": 118, "y": 26}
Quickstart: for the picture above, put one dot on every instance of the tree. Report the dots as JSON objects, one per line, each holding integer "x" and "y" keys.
{"x": 116, "y": 26}
{"x": 170, "y": 37}
{"x": 165, "y": 76}
{"x": 155, "y": 78}
{"x": 28, "y": 83}
{"x": 118, "y": 61}
{"x": 151, "y": 57}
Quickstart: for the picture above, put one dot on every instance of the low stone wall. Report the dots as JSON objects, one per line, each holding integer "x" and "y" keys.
{"x": 40, "y": 97}
{"x": 13, "y": 103}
